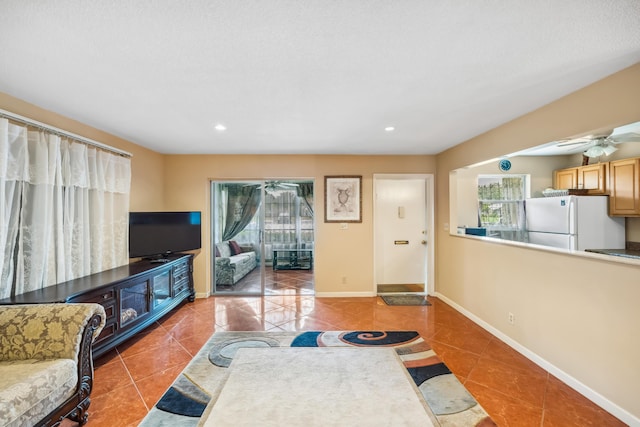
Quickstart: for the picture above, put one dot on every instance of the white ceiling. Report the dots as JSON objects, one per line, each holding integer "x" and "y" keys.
{"x": 308, "y": 76}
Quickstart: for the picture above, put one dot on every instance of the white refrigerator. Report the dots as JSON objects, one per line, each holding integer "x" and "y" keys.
{"x": 573, "y": 222}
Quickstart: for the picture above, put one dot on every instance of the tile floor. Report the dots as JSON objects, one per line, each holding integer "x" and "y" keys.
{"x": 276, "y": 282}
{"x": 513, "y": 390}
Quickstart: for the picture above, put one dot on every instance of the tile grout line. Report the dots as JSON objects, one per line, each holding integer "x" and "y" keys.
{"x": 510, "y": 366}
{"x": 133, "y": 382}
{"x": 544, "y": 400}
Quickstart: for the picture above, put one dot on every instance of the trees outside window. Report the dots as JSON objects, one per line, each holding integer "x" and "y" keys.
{"x": 501, "y": 202}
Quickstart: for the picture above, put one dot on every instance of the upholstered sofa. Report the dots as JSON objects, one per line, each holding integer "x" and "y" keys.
{"x": 46, "y": 367}
{"x": 233, "y": 262}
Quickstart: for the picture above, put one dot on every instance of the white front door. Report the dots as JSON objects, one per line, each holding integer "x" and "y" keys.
{"x": 401, "y": 232}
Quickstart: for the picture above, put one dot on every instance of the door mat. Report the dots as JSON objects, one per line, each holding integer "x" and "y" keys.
{"x": 405, "y": 300}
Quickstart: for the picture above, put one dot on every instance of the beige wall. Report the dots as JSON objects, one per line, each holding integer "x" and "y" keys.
{"x": 578, "y": 314}
{"x": 338, "y": 253}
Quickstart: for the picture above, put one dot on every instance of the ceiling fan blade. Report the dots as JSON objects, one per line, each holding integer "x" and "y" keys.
{"x": 625, "y": 137}
{"x": 570, "y": 142}
{"x": 601, "y": 136}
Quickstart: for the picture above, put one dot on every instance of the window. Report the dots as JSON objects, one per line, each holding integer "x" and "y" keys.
{"x": 288, "y": 220}
{"x": 501, "y": 201}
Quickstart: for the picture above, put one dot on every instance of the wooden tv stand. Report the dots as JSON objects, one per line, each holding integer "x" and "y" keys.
{"x": 133, "y": 296}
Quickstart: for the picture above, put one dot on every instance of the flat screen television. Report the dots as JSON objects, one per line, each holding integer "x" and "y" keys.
{"x": 158, "y": 234}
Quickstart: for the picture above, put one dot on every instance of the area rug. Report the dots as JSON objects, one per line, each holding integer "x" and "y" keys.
{"x": 333, "y": 386}
{"x": 202, "y": 380}
{"x": 405, "y": 300}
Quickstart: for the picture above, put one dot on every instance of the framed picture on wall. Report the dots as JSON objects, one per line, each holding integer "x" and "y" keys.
{"x": 343, "y": 198}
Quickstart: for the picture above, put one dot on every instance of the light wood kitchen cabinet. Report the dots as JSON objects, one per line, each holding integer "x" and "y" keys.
{"x": 565, "y": 179}
{"x": 591, "y": 177}
{"x": 624, "y": 187}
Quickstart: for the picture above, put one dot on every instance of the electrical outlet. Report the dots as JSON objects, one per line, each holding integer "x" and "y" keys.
{"x": 512, "y": 319}
{"x": 344, "y": 280}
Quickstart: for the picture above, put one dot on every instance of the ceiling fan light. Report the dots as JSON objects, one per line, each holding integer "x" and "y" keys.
{"x": 609, "y": 149}
{"x": 595, "y": 151}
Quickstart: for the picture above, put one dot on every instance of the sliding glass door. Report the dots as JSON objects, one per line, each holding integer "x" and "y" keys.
{"x": 262, "y": 234}
{"x": 237, "y": 237}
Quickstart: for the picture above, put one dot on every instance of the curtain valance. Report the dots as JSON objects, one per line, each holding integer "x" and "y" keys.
{"x": 37, "y": 158}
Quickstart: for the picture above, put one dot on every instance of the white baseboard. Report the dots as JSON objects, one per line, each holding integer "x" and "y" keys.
{"x": 345, "y": 294}
{"x": 202, "y": 295}
{"x": 584, "y": 390}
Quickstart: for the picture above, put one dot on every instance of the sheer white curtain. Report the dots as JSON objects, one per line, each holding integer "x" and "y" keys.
{"x": 63, "y": 209}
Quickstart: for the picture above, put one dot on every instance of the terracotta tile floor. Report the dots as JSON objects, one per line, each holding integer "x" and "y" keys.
{"x": 276, "y": 282}
{"x": 513, "y": 390}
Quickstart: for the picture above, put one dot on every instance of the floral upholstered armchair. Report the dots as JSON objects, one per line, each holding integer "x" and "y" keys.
{"x": 46, "y": 367}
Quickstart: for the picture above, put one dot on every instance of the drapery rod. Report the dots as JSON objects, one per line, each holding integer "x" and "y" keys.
{"x": 29, "y": 122}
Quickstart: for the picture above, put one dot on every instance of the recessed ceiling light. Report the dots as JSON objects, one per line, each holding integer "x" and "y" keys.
{"x": 219, "y": 127}
{"x": 389, "y": 128}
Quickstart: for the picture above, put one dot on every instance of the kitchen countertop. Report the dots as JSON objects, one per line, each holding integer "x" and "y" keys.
{"x": 626, "y": 253}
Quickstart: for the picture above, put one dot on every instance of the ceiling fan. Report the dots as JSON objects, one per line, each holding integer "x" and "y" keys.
{"x": 602, "y": 143}
{"x": 279, "y": 185}
{"x": 274, "y": 188}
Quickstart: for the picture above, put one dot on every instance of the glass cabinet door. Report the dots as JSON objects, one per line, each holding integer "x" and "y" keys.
{"x": 134, "y": 302}
{"x": 161, "y": 288}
